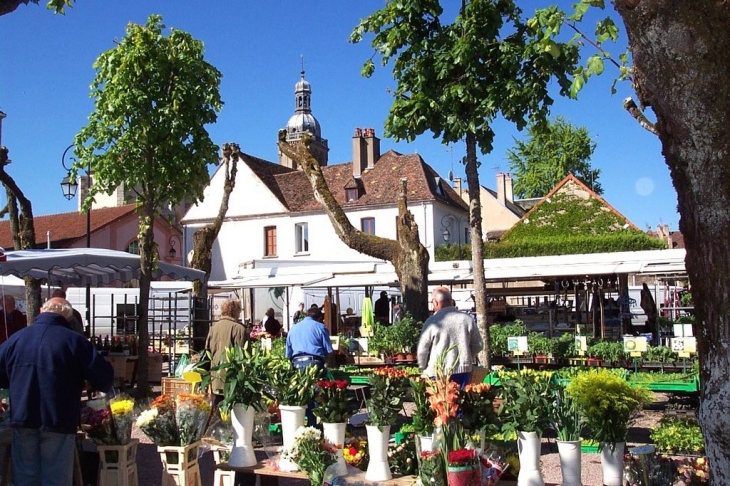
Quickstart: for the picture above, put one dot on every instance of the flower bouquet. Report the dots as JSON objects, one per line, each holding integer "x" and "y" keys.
{"x": 333, "y": 402}
{"x": 159, "y": 423}
{"x": 191, "y": 415}
{"x": 109, "y": 422}
{"x": 122, "y": 407}
{"x": 311, "y": 453}
{"x": 423, "y": 415}
{"x": 431, "y": 470}
{"x": 98, "y": 425}
{"x": 463, "y": 468}
{"x": 388, "y": 386}
{"x": 356, "y": 453}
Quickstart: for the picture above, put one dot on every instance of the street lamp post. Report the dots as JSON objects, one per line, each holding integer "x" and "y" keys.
{"x": 69, "y": 188}
{"x": 446, "y": 222}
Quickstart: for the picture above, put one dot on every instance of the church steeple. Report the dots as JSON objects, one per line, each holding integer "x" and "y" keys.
{"x": 303, "y": 121}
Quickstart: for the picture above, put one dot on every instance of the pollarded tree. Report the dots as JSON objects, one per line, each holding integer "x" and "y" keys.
{"x": 454, "y": 79}
{"x": 407, "y": 254}
{"x": 549, "y": 154}
{"x": 153, "y": 94}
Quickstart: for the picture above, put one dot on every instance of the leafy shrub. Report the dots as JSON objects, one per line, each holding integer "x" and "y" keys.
{"x": 678, "y": 436}
{"x": 498, "y": 334}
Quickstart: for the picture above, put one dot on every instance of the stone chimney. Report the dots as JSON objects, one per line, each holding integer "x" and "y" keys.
{"x": 457, "y": 185}
{"x": 500, "y": 187}
{"x": 359, "y": 153}
{"x": 508, "y": 194}
{"x": 662, "y": 231}
{"x": 373, "y": 147}
{"x": 504, "y": 188}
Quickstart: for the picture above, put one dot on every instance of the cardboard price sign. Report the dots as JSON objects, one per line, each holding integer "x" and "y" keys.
{"x": 517, "y": 345}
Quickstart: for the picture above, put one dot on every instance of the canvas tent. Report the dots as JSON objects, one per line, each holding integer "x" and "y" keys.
{"x": 87, "y": 266}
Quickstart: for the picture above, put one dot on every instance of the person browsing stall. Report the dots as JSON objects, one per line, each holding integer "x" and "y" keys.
{"x": 45, "y": 365}
{"x": 225, "y": 332}
{"x": 308, "y": 344}
{"x": 449, "y": 327}
{"x": 11, "y": 319}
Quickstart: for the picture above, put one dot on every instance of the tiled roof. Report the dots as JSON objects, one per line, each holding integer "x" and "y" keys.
{"x": 65, "y": 228}
{"x": 380, "y": 184}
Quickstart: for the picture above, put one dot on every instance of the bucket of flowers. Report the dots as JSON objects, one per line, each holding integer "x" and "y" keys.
{"x": 463, "y": 468}
{"x": 477, "y": 411}
{"x": 356, "y": 453}
{"x": 108, "y": 423}
{"x": 431, "y": 468}
{"x": 311, "y": 453}
{"x": 332, "y": 411}
{"x": 176, "y": 426}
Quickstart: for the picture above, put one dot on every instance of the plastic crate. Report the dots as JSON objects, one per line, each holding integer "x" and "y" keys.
{"x": 174, "y": 386}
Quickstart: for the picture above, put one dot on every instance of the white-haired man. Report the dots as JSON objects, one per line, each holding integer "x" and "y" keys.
{"x": 449, "y": 328}
{"x": 45, "y": 365}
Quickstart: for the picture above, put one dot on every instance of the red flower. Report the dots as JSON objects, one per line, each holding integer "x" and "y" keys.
{"x": 461, "y": 456}
{"x": 341, "y": 384}
{"x": 352, "y": 451}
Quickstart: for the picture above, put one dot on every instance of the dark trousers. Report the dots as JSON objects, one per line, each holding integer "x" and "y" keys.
{"x": 302, "y": 364}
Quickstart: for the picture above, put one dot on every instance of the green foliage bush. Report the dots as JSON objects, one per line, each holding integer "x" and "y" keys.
{"x": 498, "y": 334}
{"x": 675, "y": 436}
{"x": 571, "y": 245}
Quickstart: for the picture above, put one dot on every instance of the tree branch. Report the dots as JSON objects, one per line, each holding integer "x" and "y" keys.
{"x": 635, "y": 111}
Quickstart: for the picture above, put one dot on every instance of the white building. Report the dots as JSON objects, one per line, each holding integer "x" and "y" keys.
{"x": 274, "y": 216}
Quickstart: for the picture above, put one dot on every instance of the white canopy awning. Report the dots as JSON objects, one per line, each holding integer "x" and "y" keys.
{"x": 87, "y": 266}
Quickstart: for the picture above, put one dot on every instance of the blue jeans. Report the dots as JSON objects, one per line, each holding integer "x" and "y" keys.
{"x": 42, "y": 458}
{"x": 301, "y": 365}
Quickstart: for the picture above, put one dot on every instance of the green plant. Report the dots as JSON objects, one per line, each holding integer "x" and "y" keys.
{"x": 402, "y": 457}
{"x": 292, "y": 386}
{"x": 676, "y": 435}
{"x": 526, "y": 396}
{"x": 541, "y": 345}
{"x": 565, "y": 346}
{"x": 333, "y": 402}
{"x": 407, "y": 332}
{"x": 565, "y": 417}
{"x": 608, "y": 403}
{"x": 244, "y": 372}
{"x": 388, "y": 386}
{"x": 686, "y": 299}
{"x": 498, "y": 334}
{"x": 423, "y": 414}
{"x": 660, "y": 354}
{"x": 612, "y": 351}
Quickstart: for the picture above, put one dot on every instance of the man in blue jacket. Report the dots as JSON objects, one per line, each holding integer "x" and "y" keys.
{"x": 45, "y": 365}
{"x": 308, "y": 344}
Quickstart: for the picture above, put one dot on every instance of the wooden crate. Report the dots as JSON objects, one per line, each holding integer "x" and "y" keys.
{"x": 180, "y": 465}
{"x": 172, "y": 386}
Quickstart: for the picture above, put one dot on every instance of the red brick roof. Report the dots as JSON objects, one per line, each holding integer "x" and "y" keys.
{"x": 380, "y": 185}
{"x": 66, "y": 228}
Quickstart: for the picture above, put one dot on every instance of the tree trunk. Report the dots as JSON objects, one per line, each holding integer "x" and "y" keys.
{"x": 203, "y": 240}
{"x": 147, "y": 256}
{"x": 477, "y": 247}
{"x": 23, "y": 232}
{"x": 407, "y": 254}
{"x": 680, "y": 51}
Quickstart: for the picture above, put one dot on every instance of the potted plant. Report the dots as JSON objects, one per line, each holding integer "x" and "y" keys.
{"x": 388, "y": 386}
{"x": 294, "y": 389}
{"x": 243, "y": 371}
{"x": 526, "y": 396}
{"x": 542, "y": 347}
{"x": 332, "y": 410}
{"x": 608, "y": 403}
{"x": 567, "y": 421}
{"x": 659, "y": 355}
{"x": 498, "y": 334}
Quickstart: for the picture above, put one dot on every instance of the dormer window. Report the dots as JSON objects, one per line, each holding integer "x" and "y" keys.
{"x": 439, "y": 188}
{"x": 351, "y": 195}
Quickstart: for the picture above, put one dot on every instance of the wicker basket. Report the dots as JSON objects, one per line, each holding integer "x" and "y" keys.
{"x": 173, "y": 386}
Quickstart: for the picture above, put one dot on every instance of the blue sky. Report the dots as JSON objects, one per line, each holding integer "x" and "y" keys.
{"x": 46, "y": 69}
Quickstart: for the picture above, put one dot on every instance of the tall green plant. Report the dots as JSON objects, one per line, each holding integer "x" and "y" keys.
{"x": 526, "y": 397}
{"x": 293, "y": 386}
{"x": 565, "y": 416}
{"x": 608, "y": 403}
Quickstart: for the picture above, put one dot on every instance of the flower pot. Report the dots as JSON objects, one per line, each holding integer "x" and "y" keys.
{"x": 570, "y": 462}
{"x": 242, "y": 453}
{"x": 612, "y": 464}
{"x": 378, "y": 468}
{"x": 528, "y": 447}
{"x": 292, "y": 417}
{"x": 334, "y": 433}
{"x": 463, "y": 475}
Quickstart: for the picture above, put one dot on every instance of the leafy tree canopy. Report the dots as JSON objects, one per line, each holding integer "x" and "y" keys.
{"x": 154, "y": 96}
{"x": 548, "y": 155}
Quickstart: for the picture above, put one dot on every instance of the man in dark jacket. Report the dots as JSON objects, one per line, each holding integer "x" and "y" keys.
{"x": 45, "y": 365}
